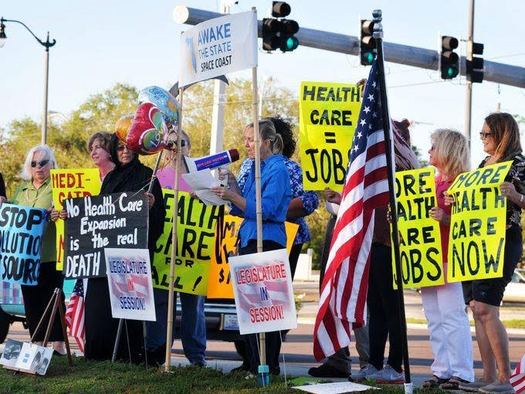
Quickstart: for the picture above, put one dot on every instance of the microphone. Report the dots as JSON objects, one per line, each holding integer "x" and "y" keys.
{"x": 212, "y": 161}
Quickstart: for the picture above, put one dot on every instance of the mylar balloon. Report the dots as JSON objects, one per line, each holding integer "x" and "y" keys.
{"x": 163, "y": 100}
{"x": 122, "y": 127}
{"x": 148, "y": 132}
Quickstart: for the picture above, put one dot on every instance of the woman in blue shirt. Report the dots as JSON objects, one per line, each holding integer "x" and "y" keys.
{"x": 276, "y": 196}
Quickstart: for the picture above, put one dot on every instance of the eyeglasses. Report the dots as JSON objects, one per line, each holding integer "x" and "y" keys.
{"x": 120, "y": 148}
{"x": 40, "y": 164}
{"x": 484, "y": 135}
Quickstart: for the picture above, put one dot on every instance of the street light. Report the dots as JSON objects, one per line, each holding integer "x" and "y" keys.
{"x": 46, "y": 44}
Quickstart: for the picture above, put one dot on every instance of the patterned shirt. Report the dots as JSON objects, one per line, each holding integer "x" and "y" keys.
{"x": 309, "y": 199}
{"x": 516, "y": 176}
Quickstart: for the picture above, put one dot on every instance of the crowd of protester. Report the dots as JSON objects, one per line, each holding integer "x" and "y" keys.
{"x": 283, "y": 198}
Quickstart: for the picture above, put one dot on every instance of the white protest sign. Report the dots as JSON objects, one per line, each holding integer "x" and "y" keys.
{"x": 262, "y": 285}
{"x": 218, "y": 46}
{"x": 130, "y": 286}
{"x": 27, "y": 357}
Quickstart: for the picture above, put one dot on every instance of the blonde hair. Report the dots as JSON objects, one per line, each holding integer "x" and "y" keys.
{"x": 451, "y": 150}
{"x": 267, "y": 132}
{"x": 48, "y": 155}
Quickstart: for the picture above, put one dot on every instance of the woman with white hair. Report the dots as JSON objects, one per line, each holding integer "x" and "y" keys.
{"x": 35, "y": 192}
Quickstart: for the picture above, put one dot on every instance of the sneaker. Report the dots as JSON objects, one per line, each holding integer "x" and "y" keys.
{"x": 364, "y": 373}
{"x": 326, "y": 371}
{"x": 472, "y": 387}
{"x": 387, "y": 375}
{"x": 497, "y": 387}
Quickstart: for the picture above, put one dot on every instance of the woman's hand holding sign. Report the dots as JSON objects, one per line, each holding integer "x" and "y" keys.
{"x": 439, "y": 214}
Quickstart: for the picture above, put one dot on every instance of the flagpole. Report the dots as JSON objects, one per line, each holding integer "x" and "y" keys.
{"x": 378, "y": 36}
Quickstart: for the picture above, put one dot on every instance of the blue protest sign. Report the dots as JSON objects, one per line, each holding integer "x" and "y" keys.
{"x": 21, "y": 230}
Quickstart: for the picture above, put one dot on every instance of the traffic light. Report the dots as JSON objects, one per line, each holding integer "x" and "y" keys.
{"x": 449, "y": 60}
{"x": 476, "y": 65}
{"x": 367, "y": 46}
{"x": 277, "y": 32}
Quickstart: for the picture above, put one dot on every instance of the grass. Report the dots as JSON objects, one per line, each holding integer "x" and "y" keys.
{"x": 102, "y": 377}
{"x": 105, "y": 377}
{"x": 512, "y": 323}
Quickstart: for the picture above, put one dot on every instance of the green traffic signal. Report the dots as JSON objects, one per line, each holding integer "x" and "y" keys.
{"x": 291, "y": 43}
{"x": 369, "y": 57}
{"x": 452, "y": 72}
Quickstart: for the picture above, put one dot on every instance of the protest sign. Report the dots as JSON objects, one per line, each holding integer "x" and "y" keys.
{"x": 21, "y": 231}
{"x": 71, "y": 183}
{"x": 129, "y": 281}
{"x": 196, "y": 230}
{"x": 328, "y": 114}
{"x": 478, "y": 224}
{"x": 419, "y": 234}
{"x": 226, "y": 242}
{"x": 262, "y": 284}
{"x": 11, "y": 352}
{"x": 218, "y": 46}
{"x": 117, "y": 220}
{"x": 27, "y": 357}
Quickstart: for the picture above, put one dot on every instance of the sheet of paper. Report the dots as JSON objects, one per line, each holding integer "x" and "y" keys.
{"x": 334, "y": 388}
{"x": 201, "y": 182}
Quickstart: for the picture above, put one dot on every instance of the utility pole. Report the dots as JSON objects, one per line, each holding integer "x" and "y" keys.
{"x": 219, "y": 90}
{"x": 468, "y": 86}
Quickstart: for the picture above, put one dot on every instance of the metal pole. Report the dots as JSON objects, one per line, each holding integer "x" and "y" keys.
{"x": 394, "y": 53}
{"x": 46, "y": 92}
{"x": 468, "y": 86}
{"x": 174, "y": 240}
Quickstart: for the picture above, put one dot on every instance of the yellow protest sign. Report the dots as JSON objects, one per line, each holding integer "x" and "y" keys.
{"x": 419, "y": 236}
{"x": 71, "y": 183}
{"x": 478, "y": 224}
{"x": 219, "y": 285}
{"x": 196, "y": 230}
{"x": 328, "y": 114}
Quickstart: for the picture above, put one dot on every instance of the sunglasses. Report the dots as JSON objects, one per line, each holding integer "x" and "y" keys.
{"x": 120, "y": 148}
{"x": 40, "y": 164}
{"x": 484, "y": 135}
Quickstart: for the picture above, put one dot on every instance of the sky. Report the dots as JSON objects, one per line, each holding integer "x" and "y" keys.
{"x": 100, "y": 43}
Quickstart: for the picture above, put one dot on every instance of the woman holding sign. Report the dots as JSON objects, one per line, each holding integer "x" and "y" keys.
{"x": 101, "y": 328}
{"x": 501, "y": 141}
{"x": 276, "y": 196}
{"x": 35, "y": 192}
{"x": 444, "y": 309}
{"x": 193, "y": 320}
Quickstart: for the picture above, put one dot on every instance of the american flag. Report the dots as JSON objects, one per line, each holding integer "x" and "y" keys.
{"x": 345, "y": 283}
{"x": 75, "y": 314}
{"x": 517, "y": 379}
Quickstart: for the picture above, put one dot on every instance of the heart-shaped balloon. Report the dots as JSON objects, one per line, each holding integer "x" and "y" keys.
{"x": 122, "y": 127}
{"x": 148, "y": 132}
{"x": 164, "y": 101}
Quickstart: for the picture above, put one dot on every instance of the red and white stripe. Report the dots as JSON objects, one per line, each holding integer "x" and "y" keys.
{"x": 345, "y": 284}
{"x": 517, "y": 379}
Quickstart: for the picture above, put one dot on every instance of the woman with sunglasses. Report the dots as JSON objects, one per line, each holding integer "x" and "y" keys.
{"x": 35, "y": 191}
{"x": 129, "y": 175}
{"x": 501, "y": 141}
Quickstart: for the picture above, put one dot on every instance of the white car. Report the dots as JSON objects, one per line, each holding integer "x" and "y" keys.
{"x": 515, "y": 290}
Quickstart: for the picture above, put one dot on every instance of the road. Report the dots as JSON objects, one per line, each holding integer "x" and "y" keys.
{"x": 297, "y": 350}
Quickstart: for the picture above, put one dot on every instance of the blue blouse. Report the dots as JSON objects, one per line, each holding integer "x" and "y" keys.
{"x": 276, "y": 196}
{"x": 309, "y": 199}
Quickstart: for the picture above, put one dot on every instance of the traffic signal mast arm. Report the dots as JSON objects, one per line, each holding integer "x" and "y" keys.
{"x": 395, "y": 53}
